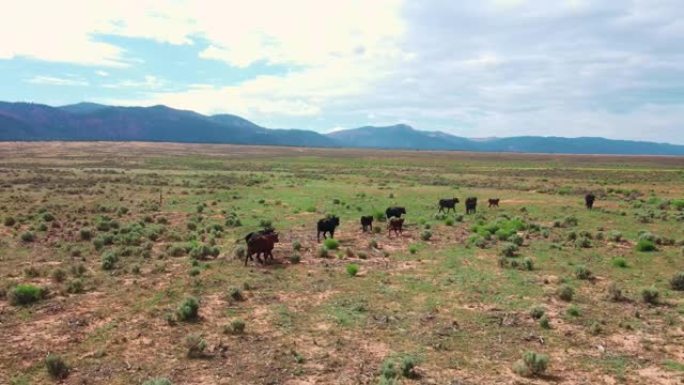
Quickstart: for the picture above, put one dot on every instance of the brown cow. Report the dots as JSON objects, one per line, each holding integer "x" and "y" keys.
{"x": 494, "y": 202}
{"x": 261, "y": 244}
{"x": 396, "y": 225}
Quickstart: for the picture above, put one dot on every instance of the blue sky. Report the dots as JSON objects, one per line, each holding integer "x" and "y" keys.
{"x": 473, "y": 68}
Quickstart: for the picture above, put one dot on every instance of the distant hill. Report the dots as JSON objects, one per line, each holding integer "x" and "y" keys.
{"x": 405, "y": 137}
{"x": 91, "y": 121}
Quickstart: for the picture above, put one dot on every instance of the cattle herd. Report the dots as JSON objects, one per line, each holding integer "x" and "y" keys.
{"x": 260, "y": 243}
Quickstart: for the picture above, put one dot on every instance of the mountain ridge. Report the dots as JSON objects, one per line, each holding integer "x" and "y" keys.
{"x": 98, "y": 122}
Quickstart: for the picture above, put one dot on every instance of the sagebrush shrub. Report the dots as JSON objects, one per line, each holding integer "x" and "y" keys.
{"x": 188, "y": 310}
{"x": 566, "y": 293}
{"x": 235, "y": 327}
{"x": 56, "y": 367}
{"x": 28, "y": 237}
{"x": 109, "y": 260}
{"x": 296, "y": 246}
{"x": 509, "y": 249}
{"x": 9, "y": 221}
{"x": 531, "y": 364}
{"x": 426, "y": 235}
{"x": 86, "y": 234}
{"x": 650, "y": 295}
{"x": 196, "y": 345}
{"x": 619, "y": 262}
{"x": 295, "y": 258}
{"x": 235, "y": 294}
{"x": 58, "y": 275}
{"x": 615, "y": 293}
{"x": 582, "y": 272}
{"x": 537, "y": 312}
{"x": 677, "y": 281}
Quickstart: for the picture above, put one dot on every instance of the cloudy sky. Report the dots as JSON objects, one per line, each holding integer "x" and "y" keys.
{"x": 477, "y": 68}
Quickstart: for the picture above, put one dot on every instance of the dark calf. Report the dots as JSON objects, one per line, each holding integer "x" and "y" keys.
{"x": 589, "y": 200}
{"x": 261, "y": 244}
{"x": 327, "y": 225}
{"x": 494, "y": 202}
{"x": 396, "y": 225}
{"x": 471, "y": 205}
{"x": 367, "y": 223}
{"x": 448, "y": 204}
{"x": 395, "y": 212}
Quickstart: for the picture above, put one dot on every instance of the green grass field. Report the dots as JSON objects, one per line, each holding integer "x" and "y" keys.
{"x": 102, "y": 245}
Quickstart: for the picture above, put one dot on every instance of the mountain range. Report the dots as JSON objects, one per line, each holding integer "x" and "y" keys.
{"x": 97, "y": 122}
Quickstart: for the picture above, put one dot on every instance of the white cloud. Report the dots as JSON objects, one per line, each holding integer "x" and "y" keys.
{"x": 57, "y": 81}
{"x": 148, "y": 82}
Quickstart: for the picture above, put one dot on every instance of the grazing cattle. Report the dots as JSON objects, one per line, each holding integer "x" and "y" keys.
{"x": 267, "y": 230}
{"x": 396, "y": 225}
{"x": 261, "y": 244}
{"x": 448, "y": 204}
{"x": 327, "y": 225}
{"x": 367, "y": 223}
{"x": 395, "y": 212}
{"x": 471, "y": 205}
{"x": 589, "y": 200}
{"x": 494, "y": 202}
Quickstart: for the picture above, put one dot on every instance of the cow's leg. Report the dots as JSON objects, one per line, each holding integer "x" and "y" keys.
{"x": 332, "y": 233}
{"x": 318, "y": 236}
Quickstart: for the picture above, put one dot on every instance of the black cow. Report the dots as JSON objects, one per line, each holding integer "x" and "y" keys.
{"x": 395, "y": 224}
{"x": 471, "y": 205}
{"x": 494, "y": 202}
{"x": 366, "y": 223}
{"x": 261, "y": 244}
{"x": 448, "y": 204}
{"x": 327, "y": 225}
{"x": 395, "y": 211}
{"x": 589, "y": 200}
{"x": 267, "y": 230}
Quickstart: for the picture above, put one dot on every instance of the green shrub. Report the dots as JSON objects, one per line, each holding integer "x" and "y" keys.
{"x": 352, "y": 269}
{"x": 331, "y": 244}
{"x": 296, "y": 246}
{"x": 56, "y": 367}
{"x": 377, "y": 230}
{"x": 158, "y": 381}
{"x": 595, "y": 328}
{"x": 619, "y": 262}
{"x": 235, "y": 294}
{"x": 516, "y": 239}
{"x": 32, "y": 272}
{"x": 413, "y": 249}
{"x": 295, "y": 258}
{"x": 650, "y": 295}
{"x": 25, "y": 294}
{"x": 449, "y": 222}
{"x": 583, "y": 243}
{"x": 425, "y": 235}
{"x": 373, "y": 244}
{"x": 582, "y": 272}
{"x": 235, "y": 327}
{"x": 572, "y": 311}
{"x": 528, "y": 264}
{"x": 188, "y": 310}
{"x": 645, "y": 245}
{"x": 86, "y": 234}
{"x": 532, "y": 364}
{"x": 323, "y": 252}
{"x": 28, "y": 237}
{"x": 196, "y": 346}
{"x": 407, "y": 366}
{"x": 545, "y": 322}
{"x": 509, "y": 249}
{"x": 109, "y": 260}
{"x": 615, "y": 293}
{"x": 537, "y": 312}
{"x": 75, "y": 286}
{"x": 58, "y": 275}
{"x": 9, "y": 221}
{"x": 566, "y": 293}
{"x": 677, "y": 281}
